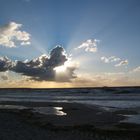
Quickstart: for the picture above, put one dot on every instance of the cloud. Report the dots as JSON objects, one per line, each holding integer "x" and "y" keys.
{"x": 65, "y": 72}
{"x": 82, "y": 80}
{"x": 25, "y": 43}
{"x": 137, "y": 69}
{"x": 5, "y": 63}
{"x": 41, "y": 68}
{"x": 105, "y": 79}
{"x": 122, "y": 63}
{"x": 11, "y": 35}
{"x": 4, "y": 77}
{"x": 110, "y": 59}
{"x": 89, "y": 45}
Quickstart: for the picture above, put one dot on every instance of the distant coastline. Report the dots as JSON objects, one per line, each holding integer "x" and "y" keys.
{"x": 104, "y": 87}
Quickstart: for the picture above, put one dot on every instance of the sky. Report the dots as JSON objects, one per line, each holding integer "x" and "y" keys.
{"x": 69, "y": 43}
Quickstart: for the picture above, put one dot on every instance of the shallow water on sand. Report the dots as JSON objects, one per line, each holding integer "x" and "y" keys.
{"x": 41, "y": 110}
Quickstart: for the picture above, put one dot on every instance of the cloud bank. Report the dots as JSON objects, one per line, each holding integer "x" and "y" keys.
{"x": 41, "y": 68}
{"x": 11, "y": 35}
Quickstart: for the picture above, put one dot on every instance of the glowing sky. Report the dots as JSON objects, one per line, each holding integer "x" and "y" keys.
{"x": 99, "y": 43}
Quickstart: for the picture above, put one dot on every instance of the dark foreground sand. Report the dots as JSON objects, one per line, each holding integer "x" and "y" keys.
{"x": 82, "y": 122}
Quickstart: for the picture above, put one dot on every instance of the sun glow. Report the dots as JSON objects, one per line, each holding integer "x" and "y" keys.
{"x": 60, "y": 69}
{"x": 68, "y": 64}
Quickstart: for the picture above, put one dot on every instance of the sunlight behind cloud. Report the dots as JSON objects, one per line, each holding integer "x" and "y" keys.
{"x": 60, "y": 69}
{"x": 65, "y": 73}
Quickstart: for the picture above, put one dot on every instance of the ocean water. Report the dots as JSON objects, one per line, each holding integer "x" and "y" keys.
{"x": 124, "y": 97}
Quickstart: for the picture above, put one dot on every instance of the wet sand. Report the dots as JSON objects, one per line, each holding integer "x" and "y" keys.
{"x": 82, "y": 122}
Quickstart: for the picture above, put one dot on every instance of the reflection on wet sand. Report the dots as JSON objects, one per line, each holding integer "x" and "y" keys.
{"x": 50, "y": 110}
{"x": 42, "y": 110}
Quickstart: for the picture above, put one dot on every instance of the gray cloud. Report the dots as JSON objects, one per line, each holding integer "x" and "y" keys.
{"x": 41, "y": 68}
{"x": 4, "y": 77}
{"x": 5, "y": 63}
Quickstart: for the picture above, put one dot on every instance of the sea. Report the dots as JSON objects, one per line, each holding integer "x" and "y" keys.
{"x": 118, "y": 97}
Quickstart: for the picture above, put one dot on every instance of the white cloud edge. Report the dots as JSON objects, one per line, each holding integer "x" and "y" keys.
{"x": 89, "y": 45}
{"x": 122, "y": 63}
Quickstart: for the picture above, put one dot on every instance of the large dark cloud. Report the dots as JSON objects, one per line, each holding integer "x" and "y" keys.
{"x": 41, "y": 68}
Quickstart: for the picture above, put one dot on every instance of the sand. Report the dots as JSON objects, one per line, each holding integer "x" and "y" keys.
{"x": 81, "y": 122}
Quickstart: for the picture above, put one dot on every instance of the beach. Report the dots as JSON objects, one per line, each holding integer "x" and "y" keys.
{"x": 65, "y": 121}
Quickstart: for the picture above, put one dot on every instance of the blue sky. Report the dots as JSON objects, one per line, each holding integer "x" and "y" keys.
{"x": 116, "y": 23}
